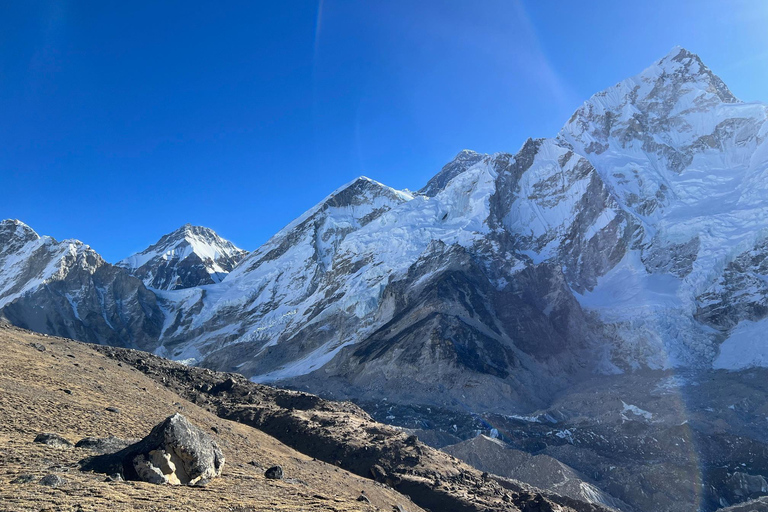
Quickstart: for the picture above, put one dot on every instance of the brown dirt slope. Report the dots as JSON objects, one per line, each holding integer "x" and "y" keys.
{"x": 342, "y": 434}
{"x": 66, "y": 389}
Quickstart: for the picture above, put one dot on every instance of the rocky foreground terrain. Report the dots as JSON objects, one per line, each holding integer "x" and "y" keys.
{"x": 60, "y": 386}
{"x": 333, "y": 455}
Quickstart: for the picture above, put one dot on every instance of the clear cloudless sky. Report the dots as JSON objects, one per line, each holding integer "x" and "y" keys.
{"x": 121, "y": 121}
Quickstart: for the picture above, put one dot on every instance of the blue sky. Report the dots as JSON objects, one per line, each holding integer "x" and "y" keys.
{"x": 121, "y": 121}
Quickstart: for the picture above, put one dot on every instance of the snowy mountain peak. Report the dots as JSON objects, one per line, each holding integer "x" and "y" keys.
{"x": 14, "y": 231}
{"x": 663, "y": 119}
{"x": 677, "y": 85}
{"x": 189, "y": 256}
{"x": 320, "y": 230}
{"x": 681, "y": 65}
{"x": 360, "y": 190}
{"x": 461, "y": 162}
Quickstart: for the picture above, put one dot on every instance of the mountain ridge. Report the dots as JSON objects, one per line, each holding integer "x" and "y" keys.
{"x": 563, "y": 247}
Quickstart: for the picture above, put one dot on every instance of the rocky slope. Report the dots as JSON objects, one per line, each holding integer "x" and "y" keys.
{"x": 190, "y": 256}
{"x": 58, "y": 385}
{"x": 543, "y": 471}
{"x": 61, "y": 386}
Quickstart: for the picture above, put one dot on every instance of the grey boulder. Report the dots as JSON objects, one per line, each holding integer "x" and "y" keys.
{"x": 175, "y": 452}
{"x": 54, "y": 440}
{"x": 51, "y": 480}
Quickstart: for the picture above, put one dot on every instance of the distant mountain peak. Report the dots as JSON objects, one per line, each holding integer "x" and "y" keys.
{"x": 189, "y": 256}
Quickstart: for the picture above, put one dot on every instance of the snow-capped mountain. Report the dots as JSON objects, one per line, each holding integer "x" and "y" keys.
{"x": 67, "y": 289}
{"x": 634, "y": 238}
{"x": 190, "y": 256}
{"x": 597, "y": 250}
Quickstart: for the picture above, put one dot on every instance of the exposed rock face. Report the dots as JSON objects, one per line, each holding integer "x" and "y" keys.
{"x": 190, "y": 256}
{"x": 458, "y": 165}
{"x": 175, "y": 452}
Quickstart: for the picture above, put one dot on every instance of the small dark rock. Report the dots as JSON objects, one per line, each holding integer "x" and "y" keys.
{"x": 67, "y": 391}
{"x": 51, "y": 480}
{"x": 38, "y": 346}
{"x": 274, "y": 473}
{"x": 70, "y": 355}
{"x": 23, "y": 479}
{"x": 116, "y": 410}
{"x": 411, "y": 440}
{"x": 363, "y": 497}
{"x": 215, "y": 430}
{"x": 54, "y": 440}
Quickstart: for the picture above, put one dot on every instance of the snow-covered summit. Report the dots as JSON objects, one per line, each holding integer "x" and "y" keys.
{"x": 344, "y": 210}
{"x": 14, "y": 234}
{"x": 190, "y": 256}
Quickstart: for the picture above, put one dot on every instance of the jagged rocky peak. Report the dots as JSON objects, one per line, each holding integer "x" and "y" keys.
{"x": 462, "y": 162}
{"x": 361, "y": 199}
{"x": 14, "y": 234}
{"x": 190, "y": 256}
{"x": 682, "y": 71}
{"x": 646, "y": 133}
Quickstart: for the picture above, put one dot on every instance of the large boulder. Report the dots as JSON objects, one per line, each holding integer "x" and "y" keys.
{"x": 175, "y": 452}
